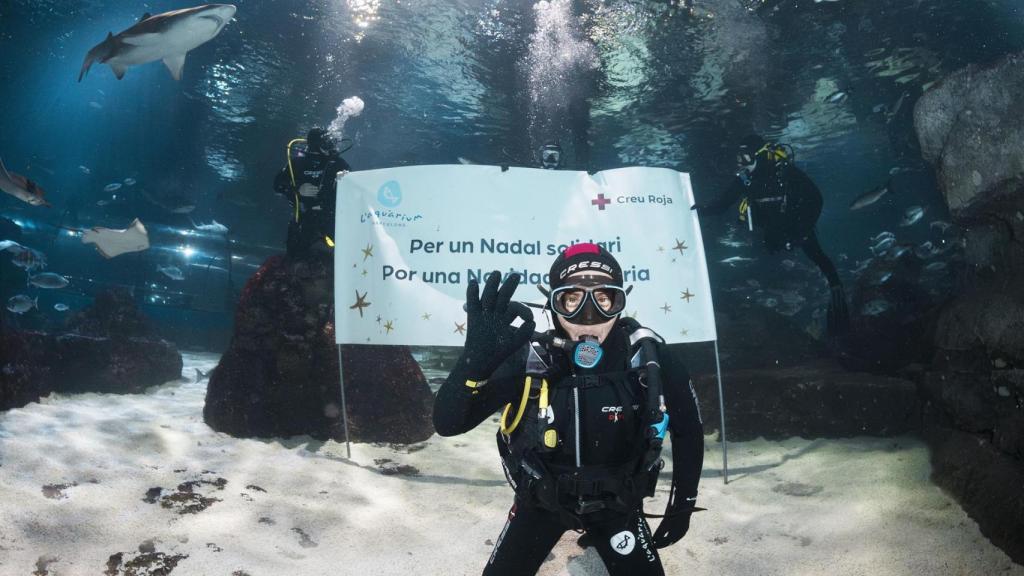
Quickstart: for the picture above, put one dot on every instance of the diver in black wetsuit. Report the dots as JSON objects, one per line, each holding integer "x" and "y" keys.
{"x": 777, "y": 197}
{"x": 307, "y": 181}
{"x": 583, "y": 421}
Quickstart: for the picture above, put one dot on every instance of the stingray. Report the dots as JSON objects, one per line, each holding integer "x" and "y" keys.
{"x": 111, "y": 243}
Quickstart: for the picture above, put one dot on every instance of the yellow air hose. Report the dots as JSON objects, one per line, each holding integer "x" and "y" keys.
{"x": 506, "y": 430}
{"x": 291, "y": 173}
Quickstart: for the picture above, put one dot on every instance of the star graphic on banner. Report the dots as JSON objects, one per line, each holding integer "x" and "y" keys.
{"x": 687, "y": 295}
{"x": 367, "y": 338}
{"x": 367, "y": 252}
{"x": 389, "y": 326}
{"x": 379, "y": 319}
{"x": 353, "y": 264}
{"x": 684, "y": 332}
{"x": 364, "y": 271}
{"x": 426, "y": 316}
{"x": 360, "y": 303}
{"x": 460, "y": 328}
{"x": 661, "y": 248}
{"x": 673, "y": 260}
{"x": 680, "y": 246}
{"x": 666, "y": 308}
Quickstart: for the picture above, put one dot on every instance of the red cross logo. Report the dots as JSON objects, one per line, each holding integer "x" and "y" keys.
{"x": 600, "y": 201}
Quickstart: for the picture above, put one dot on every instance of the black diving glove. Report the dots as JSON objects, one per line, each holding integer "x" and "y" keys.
{"x": 490, "y": 336}
{"x": 673, "y": 526}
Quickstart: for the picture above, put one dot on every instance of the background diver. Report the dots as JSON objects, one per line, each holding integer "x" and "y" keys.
{"x": 307, "y": 181}
{"x": 777, "y": 197}
{"x": 581, "y": 431}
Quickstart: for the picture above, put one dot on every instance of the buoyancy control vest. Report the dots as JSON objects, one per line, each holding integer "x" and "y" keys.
{"x": 577, "y": 441}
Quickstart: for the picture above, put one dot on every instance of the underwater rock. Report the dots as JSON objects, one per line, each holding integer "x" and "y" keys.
{"x": 816, "y": 400}
{"x": 971, "y": 126}
{"x": 989, "y": 317}
{"x": 279, "y": 376}
{"x": 112, "y": 314}
{"x": 33, "y": 364}
{"x": 986, "y": 484}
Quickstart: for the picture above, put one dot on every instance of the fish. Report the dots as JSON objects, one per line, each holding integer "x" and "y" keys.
{"x": 168, "y": 36}
{"x": 102, "y": 202}
{"x": 96, "y": 105}
{"x": 200, "y": 375}
{"x": 61, "y": 307}
{"x": 899, "y": 251}
{"x": 24, "y": 257}
{"x": 881, "y": 278}
{"x": 942, "y": 226}
{"x": 912, "y": 216}
{"x": 883, "y": 246}
{"x": 870, "y": 197}
{"x": 862, "y": 266}
{"x": 731, "y": 243}
{"x": 768, "y": 302}
{"x": 734, "y": 260}
{"x": 172, "y": 272}
{"x": 112, "y": 187}
{"x": 879, "y": 108}
{"x": 935, "y": 266}
{"x": 49, "y": 280}
{"x": 881, "y": 235}
{"x": 467, "y": 161}
{"x": 21, "y": 188}
{"x": 788, "y": 264}
{"x": 213, "y": 227}
{"x": 837, "y": 97}
{"x": 12, "y": 246}
{"x": 110, "y": 243}
{"x": 174, "y": 204}
{"x": 875, "y": 307}
{"x": 84, "y": 169}
{"x": 925, "y": 251}
{"x": 20, "y": 304}
{"x": 129, "y": 181}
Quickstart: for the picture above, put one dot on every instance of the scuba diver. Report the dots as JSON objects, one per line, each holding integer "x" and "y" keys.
{"x": 550, "y": 156}
{"x": 779, "y": 198}
{"x": 307, "y": 181}
{"x": 586, "y": 407}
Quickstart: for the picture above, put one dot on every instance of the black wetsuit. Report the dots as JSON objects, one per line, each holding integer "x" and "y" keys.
{"x": 785, "y": 203}
{"x": 316, "y": 213}
{"x": 611, "y": 433}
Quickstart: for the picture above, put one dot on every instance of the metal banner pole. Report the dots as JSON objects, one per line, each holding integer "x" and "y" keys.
{"x": 341, "y": 372}
{"x": 344, "y": 410}
{"x": 721, "y": 411}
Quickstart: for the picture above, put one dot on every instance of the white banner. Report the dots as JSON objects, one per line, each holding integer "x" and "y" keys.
{"x": 407, "y": 241}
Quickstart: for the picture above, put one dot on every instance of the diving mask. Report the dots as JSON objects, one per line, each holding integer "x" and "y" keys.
{"x": 589, "y": 300}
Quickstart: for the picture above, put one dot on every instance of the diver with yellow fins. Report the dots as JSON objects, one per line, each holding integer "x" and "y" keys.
{"x": 307, "y": 182}
{"x": 777, "y": 197}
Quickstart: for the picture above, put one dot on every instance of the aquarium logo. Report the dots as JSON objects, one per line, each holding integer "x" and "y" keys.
{"x": 390, "y": 194}
{"x": 623, "y": 542}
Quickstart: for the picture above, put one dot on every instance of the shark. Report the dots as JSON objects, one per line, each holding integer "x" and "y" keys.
{"x": 168, "y": 36}
{"x": 21, "y": 188}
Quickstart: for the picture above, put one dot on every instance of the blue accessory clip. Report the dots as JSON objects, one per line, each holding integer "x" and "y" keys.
{"x": 661, "y": 427}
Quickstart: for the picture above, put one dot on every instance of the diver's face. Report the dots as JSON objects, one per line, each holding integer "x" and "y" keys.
{"x": 578, "y": 331}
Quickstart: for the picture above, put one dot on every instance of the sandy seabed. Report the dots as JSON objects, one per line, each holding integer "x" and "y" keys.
{"x": 98, "y": 484}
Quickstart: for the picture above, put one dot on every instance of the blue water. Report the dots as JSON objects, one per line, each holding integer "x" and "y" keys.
{"x": 618, "y": 83}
